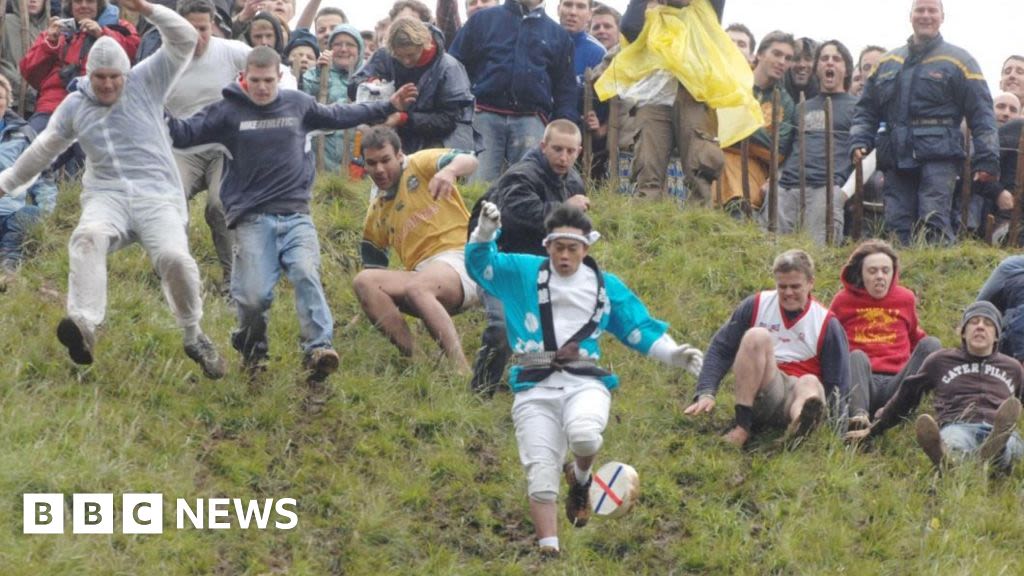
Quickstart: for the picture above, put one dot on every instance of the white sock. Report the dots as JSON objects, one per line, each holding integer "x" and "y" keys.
{"x": 581, "y": 475}
{"x": 549, "y": 542}
{"x": 192, "y": 334}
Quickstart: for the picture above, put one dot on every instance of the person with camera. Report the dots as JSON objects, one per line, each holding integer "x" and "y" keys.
{"x": 58, "y": 57}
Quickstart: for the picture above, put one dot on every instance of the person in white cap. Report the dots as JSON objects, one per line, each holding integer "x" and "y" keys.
{"x": 131, "y": 190}
{"x": 556, "y": 308}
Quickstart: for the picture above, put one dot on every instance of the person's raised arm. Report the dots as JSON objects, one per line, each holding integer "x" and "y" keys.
{"x": 157, "y": 73}
{"x": 308, "y": 15}
{"x": 461, "y": 165}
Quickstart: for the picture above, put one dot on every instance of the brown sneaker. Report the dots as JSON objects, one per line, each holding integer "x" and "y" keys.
{"x": 737, "y": 436}
{"x": 810, "y": 416}
{"x": 577, "y": 504}
{"x": 1002, "y": 427}
{"x": 929, "y": 439}
{"x": 77, "y": 340}
{"x": 321, "y": 363}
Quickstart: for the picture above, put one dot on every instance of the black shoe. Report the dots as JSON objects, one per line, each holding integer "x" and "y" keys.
{"x": 488, "y": 369}
{"x": 205, "y": 354}
{"x": 78, "y": 342}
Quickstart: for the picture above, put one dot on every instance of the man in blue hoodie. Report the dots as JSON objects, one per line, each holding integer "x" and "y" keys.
{"x": 519, "y": 86}
{"x": 266, "y": 194}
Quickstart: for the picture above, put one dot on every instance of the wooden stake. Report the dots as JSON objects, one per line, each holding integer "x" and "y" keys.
{"x": 26, "y": 44}
{"x": 614, "y": 127}
{"x": 965, "y": 185}
{"x": 857, "y": 230}
{"x": 830, "y": 232}
{"x": 321, "y": 143}
{"x": 588, "y": 137}
{"x": 773, "y": 169}
{"x": 801, "y": 128}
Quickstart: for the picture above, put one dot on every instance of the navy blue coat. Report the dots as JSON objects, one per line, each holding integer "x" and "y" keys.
{"x": 519, "y": 61}
{"x": 922, "y": 93}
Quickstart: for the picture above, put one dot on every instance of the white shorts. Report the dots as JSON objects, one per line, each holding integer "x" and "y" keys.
{"x": 546, "y": 419}
{"x": 456, "y": 259}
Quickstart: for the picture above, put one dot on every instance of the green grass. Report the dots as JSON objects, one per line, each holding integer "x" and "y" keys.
{"x": 406, "y": 472}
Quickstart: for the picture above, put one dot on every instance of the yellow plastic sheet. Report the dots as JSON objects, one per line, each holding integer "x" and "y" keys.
{"x": 690, "y": 43}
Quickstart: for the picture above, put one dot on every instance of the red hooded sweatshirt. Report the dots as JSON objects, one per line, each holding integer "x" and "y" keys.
{"x": 885, "y": 329}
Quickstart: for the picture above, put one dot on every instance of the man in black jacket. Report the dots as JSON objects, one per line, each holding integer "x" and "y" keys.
{"x": 526, "y": 194}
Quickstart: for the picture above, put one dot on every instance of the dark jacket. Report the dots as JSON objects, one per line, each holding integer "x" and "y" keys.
{"x": 965, "y": 388}
{"x": 442, "y": 116}
{"x": 526, "y": 193}
{"x": 912, "y": 106}
{"x": 519, "y": 61}
{"x": 269, "y": 178}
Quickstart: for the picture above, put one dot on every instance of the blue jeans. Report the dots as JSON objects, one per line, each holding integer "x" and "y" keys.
{"x": 266, "y": 245}
{"x": 921, "y": 197}
{"x": 967, "y": 438}
{"x": 12, "y": 234}
{"x": 506, "y": 139}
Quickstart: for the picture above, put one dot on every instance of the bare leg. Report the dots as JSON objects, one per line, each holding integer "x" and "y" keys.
{"x": 754, "y": 367}
{"x": 378, "y": 291}
{"x": 435, "y": 293}
{"x": 545, "y": 518}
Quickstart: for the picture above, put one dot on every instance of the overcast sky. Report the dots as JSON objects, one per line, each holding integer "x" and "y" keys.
{"x": 989, "y": 29}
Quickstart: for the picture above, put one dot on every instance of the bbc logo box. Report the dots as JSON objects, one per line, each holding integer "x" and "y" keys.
{"x": 93, "y": 514}
{"x": 144, "y": 513}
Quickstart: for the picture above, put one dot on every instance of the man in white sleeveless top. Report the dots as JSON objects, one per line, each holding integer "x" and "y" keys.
{"x": 788, "y": 353}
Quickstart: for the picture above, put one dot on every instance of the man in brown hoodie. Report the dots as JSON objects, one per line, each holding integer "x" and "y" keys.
{"x": 977, "y": 394}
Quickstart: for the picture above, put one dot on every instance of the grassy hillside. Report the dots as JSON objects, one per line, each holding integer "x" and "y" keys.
{"x": 405, "y": 472}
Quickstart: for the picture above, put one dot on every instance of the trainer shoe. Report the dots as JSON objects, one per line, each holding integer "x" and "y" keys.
{"x": 809, "y": 418}
{"x": 1002, "y": 427}
{"x": 577, "y": 504}
{"x": 930, "y": 440}
{"x": 205, "y": 354}
{"x": 79, "y": 342}
{"x": 321, "y": 363}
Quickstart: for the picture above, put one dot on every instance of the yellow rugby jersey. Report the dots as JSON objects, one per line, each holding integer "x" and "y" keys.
{"x": 411, "y": 222}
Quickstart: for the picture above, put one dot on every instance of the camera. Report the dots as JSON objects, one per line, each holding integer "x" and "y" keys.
{"x": 68, "y": 25}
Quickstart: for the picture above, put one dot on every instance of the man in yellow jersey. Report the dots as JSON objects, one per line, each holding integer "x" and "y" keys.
{"x": 415, "y": 209}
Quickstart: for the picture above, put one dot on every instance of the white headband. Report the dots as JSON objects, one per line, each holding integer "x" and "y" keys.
{"x": 589, "y": 239}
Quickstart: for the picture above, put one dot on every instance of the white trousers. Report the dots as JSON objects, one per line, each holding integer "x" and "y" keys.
{"x": 549, "y": 421}
{"x": 111, "y": 221}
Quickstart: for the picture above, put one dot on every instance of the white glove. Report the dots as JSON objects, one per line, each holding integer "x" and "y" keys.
{"x": 689, "y": 358}
{"x": 489, "y": 222}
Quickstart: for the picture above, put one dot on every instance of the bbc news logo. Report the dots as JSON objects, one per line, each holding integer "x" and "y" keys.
{"x": 144, "y": 514}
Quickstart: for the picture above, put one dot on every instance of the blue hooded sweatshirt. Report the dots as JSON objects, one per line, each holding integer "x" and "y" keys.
{"x": 269, "y": 167}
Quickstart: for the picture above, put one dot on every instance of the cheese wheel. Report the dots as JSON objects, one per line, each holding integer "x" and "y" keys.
{"x": 614, "y": 489}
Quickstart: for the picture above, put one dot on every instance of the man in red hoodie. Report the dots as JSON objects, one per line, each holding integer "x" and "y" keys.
{"x": 880, "y": 319}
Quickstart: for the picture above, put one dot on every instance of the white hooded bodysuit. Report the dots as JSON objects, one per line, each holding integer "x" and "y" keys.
{"x": 131, "y": 187}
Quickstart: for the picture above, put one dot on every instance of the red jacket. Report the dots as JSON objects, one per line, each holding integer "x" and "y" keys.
{"x": 42, "y": 63}
{"x": 885, "y": 329}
